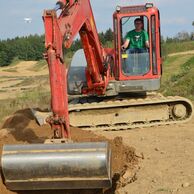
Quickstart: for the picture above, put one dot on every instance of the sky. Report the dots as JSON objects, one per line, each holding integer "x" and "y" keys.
{"x": 176, "y": 15}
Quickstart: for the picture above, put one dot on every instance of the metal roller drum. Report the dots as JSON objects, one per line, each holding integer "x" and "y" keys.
{"x": 56, "y": 166}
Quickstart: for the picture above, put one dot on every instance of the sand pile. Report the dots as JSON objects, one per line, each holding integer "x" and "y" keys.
{"x": 21, "y": 128}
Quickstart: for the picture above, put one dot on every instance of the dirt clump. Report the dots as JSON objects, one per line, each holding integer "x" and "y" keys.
{"x": 21, "y": 128}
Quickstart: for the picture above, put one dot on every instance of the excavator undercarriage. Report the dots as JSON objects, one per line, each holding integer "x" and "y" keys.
{"x": 127, "y": 113}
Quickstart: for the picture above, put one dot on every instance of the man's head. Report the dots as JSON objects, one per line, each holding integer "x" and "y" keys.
{"x": 138, "y": 24}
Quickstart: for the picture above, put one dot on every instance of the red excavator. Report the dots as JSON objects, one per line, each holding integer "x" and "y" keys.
{"x": 103, "y": 89}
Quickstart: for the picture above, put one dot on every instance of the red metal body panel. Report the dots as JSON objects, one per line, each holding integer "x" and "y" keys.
{"x": 58, "y": 75}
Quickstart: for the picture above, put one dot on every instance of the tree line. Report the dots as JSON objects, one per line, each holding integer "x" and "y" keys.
{"x": 180, "y": 36}
{"x": 23, "y": 48}
{"x": 32, "y": 47}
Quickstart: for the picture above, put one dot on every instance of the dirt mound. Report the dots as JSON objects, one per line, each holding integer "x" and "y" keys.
{"x": 21, "y": 128}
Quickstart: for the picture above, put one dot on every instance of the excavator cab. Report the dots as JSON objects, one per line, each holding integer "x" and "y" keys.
{"x": 137, "y": 69}
{"x": 132, "y": 70}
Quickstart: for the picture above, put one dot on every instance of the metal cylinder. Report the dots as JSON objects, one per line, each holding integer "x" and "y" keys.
{"x": 56, "y": 166}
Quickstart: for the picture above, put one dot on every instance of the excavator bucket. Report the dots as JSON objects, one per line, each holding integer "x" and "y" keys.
{"x": 56, "y": 166}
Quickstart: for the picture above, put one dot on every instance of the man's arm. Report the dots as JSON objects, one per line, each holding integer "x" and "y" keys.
{"x": 147, "y": 44}
{"x": 127, "y": 41}
{"x": 126, "y": 44}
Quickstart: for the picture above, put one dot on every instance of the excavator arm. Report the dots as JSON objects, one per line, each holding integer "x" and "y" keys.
{"x": 59, "y": 163}
{"x": 75, "y": 17}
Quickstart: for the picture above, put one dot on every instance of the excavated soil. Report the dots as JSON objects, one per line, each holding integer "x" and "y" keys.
{"x": 21, "y": 128}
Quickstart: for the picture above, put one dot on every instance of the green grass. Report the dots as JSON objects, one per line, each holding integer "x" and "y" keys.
{"x": 171, "y": 65}
{"x": 27, "y": 81}
{"x": 15, "y": 61}
{"x": 175, "y": 47}
{"x": 10, "y": 70}
{"x": 163, "y": 190}
{"x": 34, "y": 98}
{"x": 39, "y": 65}
{"x": 178, "y": 77}
{"x": 2, "y": 91}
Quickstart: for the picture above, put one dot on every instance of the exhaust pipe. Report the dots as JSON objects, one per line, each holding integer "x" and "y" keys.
{"x": 56, "y": 166}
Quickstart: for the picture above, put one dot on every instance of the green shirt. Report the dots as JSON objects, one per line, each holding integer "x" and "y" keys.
{"x": 137, "y": 39}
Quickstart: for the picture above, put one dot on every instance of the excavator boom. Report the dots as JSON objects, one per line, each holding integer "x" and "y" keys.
{"x": 60, "y": 165}
{"x": 61, "y": 31}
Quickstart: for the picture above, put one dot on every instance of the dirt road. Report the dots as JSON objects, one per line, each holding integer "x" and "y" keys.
{"x": 168, "y": 165}
{"x": 182, "y": 53}
{"x": 13, "y": 78}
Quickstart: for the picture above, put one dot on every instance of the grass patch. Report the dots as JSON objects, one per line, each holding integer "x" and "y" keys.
{"x": 181, "y": 81}
{"x": 166, "y": 190}
{"x": 2, "y": 80}
{"x": 10, "y": 70}
{"x": 15, "y": 61}
{"x": 37, "y": 97}
{"x": 175, "y": 47}
{"x": 40, "y": 65}
{"x": 172, "y": 65}
{"x": 2, "y": 91}
{"x": 28, "y": 81}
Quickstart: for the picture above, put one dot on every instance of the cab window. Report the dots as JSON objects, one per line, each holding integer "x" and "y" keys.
{"x": 135, "y": 57}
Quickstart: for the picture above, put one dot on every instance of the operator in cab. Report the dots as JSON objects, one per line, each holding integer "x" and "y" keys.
{"x": 137, "y": 40}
